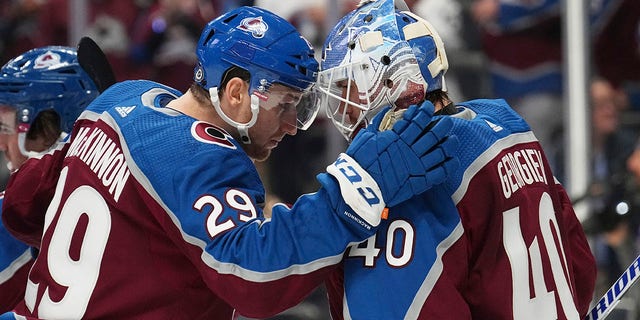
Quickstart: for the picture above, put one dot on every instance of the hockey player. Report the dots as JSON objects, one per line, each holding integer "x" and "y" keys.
{"x": 42, "y": 92}
{"x": 156, "y": 205}
{"x": 498, "y": 240}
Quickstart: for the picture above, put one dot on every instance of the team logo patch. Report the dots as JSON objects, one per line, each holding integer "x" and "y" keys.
{"x": 208, "y": 133}
{"x": 23, "y": 127}
{"x": 199, "y": 76}
{"x": 47, "y": 60}
{"x": 255, "y": 25}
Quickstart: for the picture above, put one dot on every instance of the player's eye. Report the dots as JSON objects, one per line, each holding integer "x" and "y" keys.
{"x": 7, "y": 121}
{"x": 287, "y": 107}
{"x": 7, "y": 128}
{"x": 341, "y": 84}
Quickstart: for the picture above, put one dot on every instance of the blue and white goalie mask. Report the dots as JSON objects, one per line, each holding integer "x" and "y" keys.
{"x": 378, "y": 55}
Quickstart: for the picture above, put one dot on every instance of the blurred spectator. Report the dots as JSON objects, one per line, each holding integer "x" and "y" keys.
{"x": 228, "y": 5}
{"x": 613, "y": 195}
{"x": 616, "y": 47}
{"x": 612, "y": 243}
{"x": 168, "y": 40}
{"x": 19, "y": 29}
{"x": 141, "y": 38}
{"x": 611, "y": 144}
{"x": 466, "y": 78}
{"x": 522, "y": 40}
{"x": 309, "y": 16}
{"x": 446, "y": 17}
{"x": 110, "y": 23}
{"x": 633, "y": 165}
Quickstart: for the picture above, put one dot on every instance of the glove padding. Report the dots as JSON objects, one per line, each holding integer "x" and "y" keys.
{"x": 416, "y": 154}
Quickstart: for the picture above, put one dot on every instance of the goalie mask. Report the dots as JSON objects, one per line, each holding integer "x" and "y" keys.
{"x": 41, "y": 79}
{"x": 271, "y": 50}
{"x": 378, "y": 55}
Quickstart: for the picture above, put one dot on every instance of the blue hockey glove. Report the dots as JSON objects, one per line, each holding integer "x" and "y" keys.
{"x": 416, "y": 154}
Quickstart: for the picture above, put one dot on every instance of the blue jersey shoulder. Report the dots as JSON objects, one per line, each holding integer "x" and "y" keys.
{"x": 499, "y": 112}
{"x": 523, "y": 14}
{"x": 180, "y": 156}
{"x": 129, "y": 93}
{"x": 479, "y": 125}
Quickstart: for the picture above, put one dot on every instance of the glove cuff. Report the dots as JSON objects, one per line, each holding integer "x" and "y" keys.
{"x": 359, "y": 190}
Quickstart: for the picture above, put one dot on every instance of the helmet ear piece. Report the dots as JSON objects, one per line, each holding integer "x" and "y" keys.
{"x": 428, "y": 48}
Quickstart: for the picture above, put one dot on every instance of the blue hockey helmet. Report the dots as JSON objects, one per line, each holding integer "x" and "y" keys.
{"x": 269, "y": 48}
{"x": 388, "y": 54}
{"x": 46, "y": 78}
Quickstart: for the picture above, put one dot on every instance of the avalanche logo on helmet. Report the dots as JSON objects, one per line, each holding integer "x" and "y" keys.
{"x": 208, "y": 133}
{"x": 47, "y": 60}
{"x": 199, "y": 76}
{"x": 256, "y": 26}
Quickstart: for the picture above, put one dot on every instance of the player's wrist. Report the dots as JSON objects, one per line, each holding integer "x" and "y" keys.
{"x": 358, "y": 189}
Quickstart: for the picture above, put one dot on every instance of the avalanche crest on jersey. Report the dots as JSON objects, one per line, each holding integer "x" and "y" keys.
{"x": 209, "y": 133}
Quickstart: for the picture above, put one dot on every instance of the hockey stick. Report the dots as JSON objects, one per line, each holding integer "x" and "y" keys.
{"x": 611, "y": 298}
{"x": 95, "y": 63}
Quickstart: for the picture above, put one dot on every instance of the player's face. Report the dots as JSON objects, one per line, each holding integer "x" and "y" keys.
{"x": 350, "y": 93}
{"x": 277, "y": 118}
{"x": 605, "y": 110}
{"x": 633, "y": 164}
{"x": 9, "y": 138}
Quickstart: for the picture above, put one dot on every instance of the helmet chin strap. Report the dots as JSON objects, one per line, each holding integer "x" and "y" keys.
{"x": 243, "y": 128}
{"x": 22, "y": 137}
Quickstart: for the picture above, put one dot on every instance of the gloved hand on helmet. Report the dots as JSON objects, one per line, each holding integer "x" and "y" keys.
{"x": 385, "y": 168}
